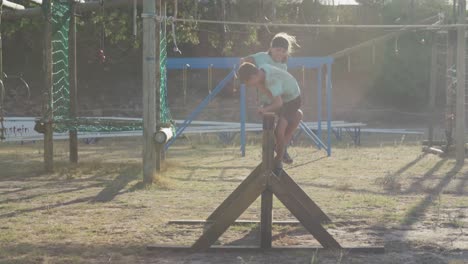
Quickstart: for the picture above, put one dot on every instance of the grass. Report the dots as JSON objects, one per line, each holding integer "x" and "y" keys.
{"x": 99, "y": 211}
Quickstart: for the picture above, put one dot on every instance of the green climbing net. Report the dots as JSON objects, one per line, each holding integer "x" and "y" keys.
{"x": 165, "y": 115}
{"x": 60, "y": 75}
{"x": 60, "y": 103}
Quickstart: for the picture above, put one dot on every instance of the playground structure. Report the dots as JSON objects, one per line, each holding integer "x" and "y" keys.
{"x": 261, "y": 182}
{"x": 61, "y": 112}
{"x": 447, "y": 77}
{"x": 306, "y": 63}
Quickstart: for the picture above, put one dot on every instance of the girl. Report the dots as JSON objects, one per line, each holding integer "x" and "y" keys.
{"x": 281, "y": 47}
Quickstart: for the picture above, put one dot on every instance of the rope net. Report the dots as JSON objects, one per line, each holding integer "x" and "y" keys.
{"x": 60, "y": 103}
{"x": 164, "y": 113}
{"x": 60, "y": 74}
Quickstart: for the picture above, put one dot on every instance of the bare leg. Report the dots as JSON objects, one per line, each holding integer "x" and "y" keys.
{"x": 292, "y": 126}
{"x": 280, "y": 142}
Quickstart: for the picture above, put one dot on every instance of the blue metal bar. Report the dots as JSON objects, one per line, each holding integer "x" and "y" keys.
{"x": 329, "y": 114}
{"x": 319, "y": 102}
{"x": 200, "y": 107}
{"x": 229, "y": 62}
{"x": 312, "y": 135}
{"x": 242, "y": 119}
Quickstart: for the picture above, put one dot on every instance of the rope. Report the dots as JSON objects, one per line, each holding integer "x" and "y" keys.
{"x": 2, "y": 96}
{"x": 344, "y": 26}
{"x": 103, "y": 26}
{"x": 174, "y": 38}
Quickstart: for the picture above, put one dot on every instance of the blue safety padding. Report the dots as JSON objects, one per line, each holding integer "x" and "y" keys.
{"x": 230, "y": 62}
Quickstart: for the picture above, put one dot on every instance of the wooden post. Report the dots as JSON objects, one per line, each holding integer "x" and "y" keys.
{"x": 432, "y": 89}
{"x": 460, "y": 113}
{"x": 48, "y": 86}
{"x": 2, "y": 86}
{"x": 267, "y": 195}
{"x": 73, "y": 82}
{"x": 1, "y": 55}
{"x": 150, "y": 85}
{"x": 449, "y": 87}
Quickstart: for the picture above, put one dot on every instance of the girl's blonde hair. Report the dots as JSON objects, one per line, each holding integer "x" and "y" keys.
{"x": 291, "y": 40}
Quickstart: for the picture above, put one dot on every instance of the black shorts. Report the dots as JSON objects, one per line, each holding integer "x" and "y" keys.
{"x": 289, "y": 109}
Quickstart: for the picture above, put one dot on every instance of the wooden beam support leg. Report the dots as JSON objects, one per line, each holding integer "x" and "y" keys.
{"x": 299, "y": 211}
{"x": 229, "y": 215}
{"x": 228, "y": 201}
{"x": 288, "y": 183}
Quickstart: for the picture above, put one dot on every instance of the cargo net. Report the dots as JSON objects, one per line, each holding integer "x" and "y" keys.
{"x": 165, "y": 114}
{"x": 60, "y": 103}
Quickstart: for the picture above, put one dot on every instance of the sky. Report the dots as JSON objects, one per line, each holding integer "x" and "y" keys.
{"x": 345, "y": 2}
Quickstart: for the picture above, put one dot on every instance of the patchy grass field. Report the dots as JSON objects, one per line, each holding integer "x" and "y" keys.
{"x": 98, "y": 211}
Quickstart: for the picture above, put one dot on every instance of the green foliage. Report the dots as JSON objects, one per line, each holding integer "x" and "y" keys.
{"x": 403, "y": 79}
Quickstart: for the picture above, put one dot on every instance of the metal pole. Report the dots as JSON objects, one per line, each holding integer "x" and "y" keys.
{"x": 319, "y": 103}
{"x": 150, "y": 84}
{"x": 329, "y": 113}
{"x": 73, "y": 82}
{"x": 242, "y": 118}
{"x": 432, "y": 89}
{"x": 450, "y": 89}
{"x": 48, "y": 86}
{"x": 460, "y": 112}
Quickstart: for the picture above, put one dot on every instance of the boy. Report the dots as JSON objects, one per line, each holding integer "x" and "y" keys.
{"x": 280, "y": 91}
{"x": 281, "y": 47}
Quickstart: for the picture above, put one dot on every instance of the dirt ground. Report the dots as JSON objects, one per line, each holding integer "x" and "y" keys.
{"x": 385, "y": 193}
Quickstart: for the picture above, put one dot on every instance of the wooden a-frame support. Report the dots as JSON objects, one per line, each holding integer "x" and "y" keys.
{"x": 263, "y": 182}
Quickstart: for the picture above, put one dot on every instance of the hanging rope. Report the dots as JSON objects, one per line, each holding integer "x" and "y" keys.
{"x": 135, "y": 26}
{"x": 101, "y": 53}
{"x": 396, "y": 46}
{"x": 174, "y": 38}
{"x": 2, "y": 96}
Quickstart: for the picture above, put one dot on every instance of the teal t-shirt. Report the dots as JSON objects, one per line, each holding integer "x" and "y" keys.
{"x": 280, "y": 83}
{"x": 262, "y": 58}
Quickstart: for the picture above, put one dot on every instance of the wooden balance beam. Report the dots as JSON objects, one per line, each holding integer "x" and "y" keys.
{"x": 263, "y": 182}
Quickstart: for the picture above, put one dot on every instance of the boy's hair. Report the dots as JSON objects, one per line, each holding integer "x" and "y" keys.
{"x": 246, "y": 70}
{"x": 284, "y": 40}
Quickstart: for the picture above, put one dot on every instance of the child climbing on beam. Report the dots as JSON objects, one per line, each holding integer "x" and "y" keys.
{"x": 281, "y": 47}
{"x": 280, "y": 92}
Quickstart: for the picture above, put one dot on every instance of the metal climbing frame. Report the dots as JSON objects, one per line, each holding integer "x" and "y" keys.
{"x": 230, "y": 63}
